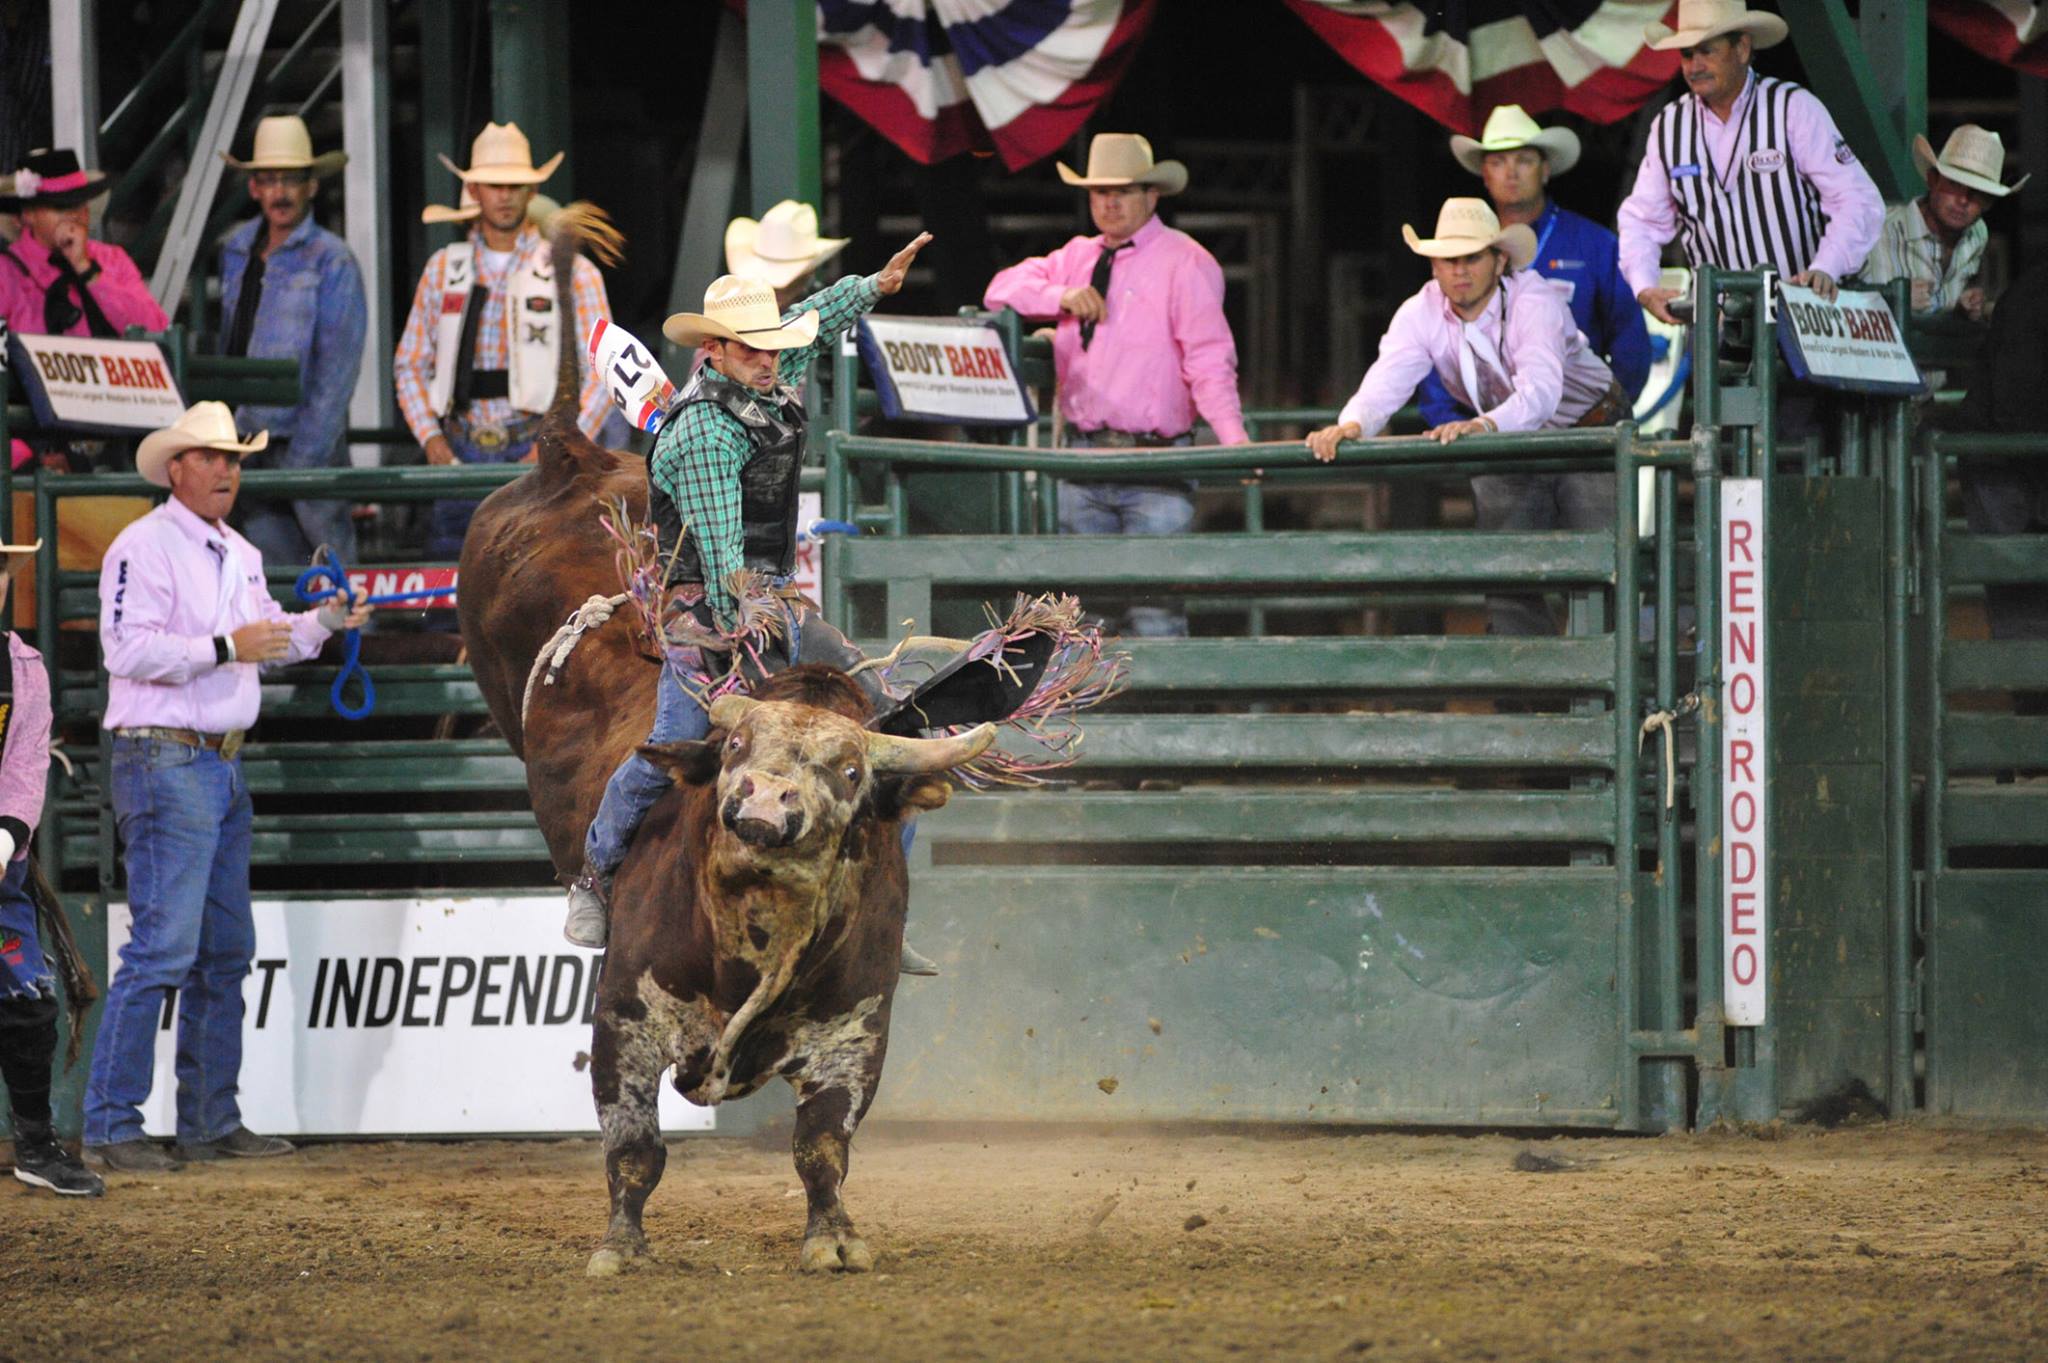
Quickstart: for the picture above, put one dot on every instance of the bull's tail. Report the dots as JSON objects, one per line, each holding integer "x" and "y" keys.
{"x": 579, "y": 228}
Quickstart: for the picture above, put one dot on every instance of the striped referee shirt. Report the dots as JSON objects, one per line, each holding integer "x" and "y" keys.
{"x": 1774, "y": 184}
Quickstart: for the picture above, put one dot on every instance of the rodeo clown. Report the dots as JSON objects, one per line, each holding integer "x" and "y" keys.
{"x": 722, "y": 495}
{"x": 28, "y": 999}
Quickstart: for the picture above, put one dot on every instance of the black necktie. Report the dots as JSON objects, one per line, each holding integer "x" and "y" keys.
{"x": 60, "y": 314}
{"x": 1099, "y": 281}
{"x": 246, "y": 303}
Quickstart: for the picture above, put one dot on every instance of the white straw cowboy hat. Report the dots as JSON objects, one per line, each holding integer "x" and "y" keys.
{"x": 1699, "y": 20}
{"x": 1509, "y": 129}
{"x": 205, "y": 426}
{"x": 501, "y": 155}
{"x": 783, "y": 247}
{"x": 282, "y": 143}
{"x": 1972, "y": 156}
{"x": 1119, "y": 159}
{"x": 742, "y": 310}
{"x": 1467, "y": 225}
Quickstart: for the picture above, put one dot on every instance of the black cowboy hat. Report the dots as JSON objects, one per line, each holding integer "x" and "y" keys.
{"x": 52, "y": 179}
{"x": 971, "y": 690}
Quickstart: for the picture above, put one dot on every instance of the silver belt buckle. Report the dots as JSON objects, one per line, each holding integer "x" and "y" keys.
{"x": 489, "y": 437}
{"x": 231, "y": 744}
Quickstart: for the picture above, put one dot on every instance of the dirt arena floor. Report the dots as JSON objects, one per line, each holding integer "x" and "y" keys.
{"x": 1897, "y": 1241}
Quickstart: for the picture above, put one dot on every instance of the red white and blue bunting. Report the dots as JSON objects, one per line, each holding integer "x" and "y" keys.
{"x": 2009, "y": 32}
{"x": 941, "y": 77}
{"x": 1457, "y": 61}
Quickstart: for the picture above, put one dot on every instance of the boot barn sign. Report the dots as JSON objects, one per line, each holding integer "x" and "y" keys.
{"x": 98, "y": 387}
{"x": 416, "y": 1017}
{"x": 943, "y": 369}
{"x": 1851, "y": 342}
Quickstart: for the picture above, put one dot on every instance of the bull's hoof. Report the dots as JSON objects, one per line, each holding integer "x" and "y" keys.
{"x": 836, "y": 1254}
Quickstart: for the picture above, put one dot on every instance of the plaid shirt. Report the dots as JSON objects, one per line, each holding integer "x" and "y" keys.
{"x": 698, "y": 455}
{"x": 412, "y": 367}
{"x": 1907, "y": 246}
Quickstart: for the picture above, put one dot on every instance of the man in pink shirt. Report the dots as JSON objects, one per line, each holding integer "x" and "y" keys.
{"x": 1502, "y": 340}
{"x": 186, "y": 622}
{"x": 1142, "y": 344}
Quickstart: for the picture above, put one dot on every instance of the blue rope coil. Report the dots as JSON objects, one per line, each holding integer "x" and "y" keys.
{"x": 322, "y": 583}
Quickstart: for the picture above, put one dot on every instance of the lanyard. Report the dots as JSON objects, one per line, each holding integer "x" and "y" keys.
{"x": 1736, "y": 117}
{"x": 1543, "y": 240}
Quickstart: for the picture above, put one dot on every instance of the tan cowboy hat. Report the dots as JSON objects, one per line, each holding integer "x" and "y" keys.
{"x": 1467, "y": 225}
{"x": 540, "y": 210}
{"x": 501, "y": 155}
{"x": 742, "y": 310}
{"x": 1509, "y": 129}
{"x": 1699, "y": 20}
{"x": 205, "y": 426}
{"x": 783, "y": 247}
{"x": 282, "y": 143}
{"x": 1972, "y": 156}
{"x": 1116, "y": 159}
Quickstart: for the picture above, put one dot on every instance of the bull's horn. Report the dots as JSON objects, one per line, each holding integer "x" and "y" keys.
{"x": 893, "y": 756}
{"x": 728, "y": 711}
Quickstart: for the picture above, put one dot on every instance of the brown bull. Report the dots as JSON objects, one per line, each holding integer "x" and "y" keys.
{"x": 757, "y": 921}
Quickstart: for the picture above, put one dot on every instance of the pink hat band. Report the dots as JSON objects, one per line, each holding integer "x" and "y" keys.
{"x": 57, "y": 184}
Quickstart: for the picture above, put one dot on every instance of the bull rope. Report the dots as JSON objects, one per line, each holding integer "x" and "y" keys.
{"x": 554, "y": 654}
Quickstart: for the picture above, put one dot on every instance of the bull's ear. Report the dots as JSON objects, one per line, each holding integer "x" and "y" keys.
{"x": 896, "y": 799}
{"x": 692, "y": 761}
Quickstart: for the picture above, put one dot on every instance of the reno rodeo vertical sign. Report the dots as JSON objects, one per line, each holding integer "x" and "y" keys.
{"x": 101, "y": 387}
{"x": 1745, "y": 751}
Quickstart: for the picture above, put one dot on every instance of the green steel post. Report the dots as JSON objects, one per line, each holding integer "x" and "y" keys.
{"x": 530, "y": 81}
{"x": 898, "y": 502}
{"x": 1894, "y": 37}
{"x": 1670, "y": 994}
{"x": 1706, "y": 782}
{"x": 437, "y": 128}
{"x": 833, "y": 502}
{"x": 1048, "y": 503}
{"x": 1898, "y": 786}
{"x": 1625, "y": 792}
{"x": 782, "y": 102}
{"x": 1934, "y": 789}
{"x": 1706, "y": 347}
{"x": 1255, "y": 524}
{"x": 1845, "y": 79}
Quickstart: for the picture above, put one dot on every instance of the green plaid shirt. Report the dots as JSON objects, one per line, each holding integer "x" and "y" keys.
{"x": 698, "y": 455}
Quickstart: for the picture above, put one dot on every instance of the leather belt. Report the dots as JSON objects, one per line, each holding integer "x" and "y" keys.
{"x": 227, "y": 744}
{"x": 1613, "y": 406}
{"x": 1110, "y": 439}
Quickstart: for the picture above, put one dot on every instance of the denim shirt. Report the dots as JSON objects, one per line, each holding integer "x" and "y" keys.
{"x": 313, "y": 311}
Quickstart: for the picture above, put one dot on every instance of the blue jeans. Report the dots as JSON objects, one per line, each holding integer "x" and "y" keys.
{"x": 183, "y": 814}
{"x": 289, "y": 532}
{"x": 1131, "y": 509}
{"x": 638, "y": 783}
{"x": 24, "y": 971}
{"x": 448, "y": 519}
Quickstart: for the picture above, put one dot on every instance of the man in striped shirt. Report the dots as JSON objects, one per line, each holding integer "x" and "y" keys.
{"x": 1746, "y": 171}
{"x": 722, "y": 493}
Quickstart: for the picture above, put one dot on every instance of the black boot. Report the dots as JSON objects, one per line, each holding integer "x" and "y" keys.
{"x": 41, "y": 1162}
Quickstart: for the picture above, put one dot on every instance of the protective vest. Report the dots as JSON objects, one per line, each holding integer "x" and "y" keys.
{"x": 774, "y": 425}
{"x": 1753, "y": 210}
{"x": 534, "y": 338}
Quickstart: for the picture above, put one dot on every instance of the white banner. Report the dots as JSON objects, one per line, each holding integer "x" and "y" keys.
{"x": 1744, "y": 754}
{"x": 98, "y": 385}
{"x": 415, "y": 1017}
{"x": 1852, "y": 342}
{"x": 942, "y": 369}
